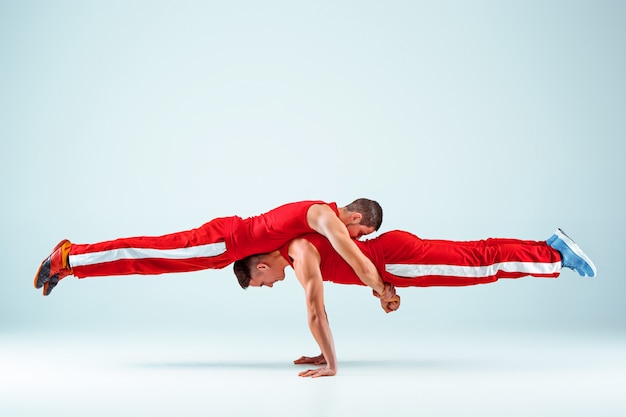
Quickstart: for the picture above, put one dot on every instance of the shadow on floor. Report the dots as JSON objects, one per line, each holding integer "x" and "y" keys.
{"x": 347, "y": 364}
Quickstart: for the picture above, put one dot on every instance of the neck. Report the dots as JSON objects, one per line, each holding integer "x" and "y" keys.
{"x": 344, "y": 215}
{"x": 277, "y": 259}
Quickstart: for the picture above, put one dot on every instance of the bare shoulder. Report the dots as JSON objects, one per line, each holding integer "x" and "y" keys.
{"x": 320, "y": 209}
{"x": 320, "y": 215}
{"x": 300, "y": 247}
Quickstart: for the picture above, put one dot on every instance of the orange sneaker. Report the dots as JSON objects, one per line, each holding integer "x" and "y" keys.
{"x": 54, "y": 268}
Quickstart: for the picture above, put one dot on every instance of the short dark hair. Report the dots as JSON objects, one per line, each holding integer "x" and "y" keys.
{"x": 243, "y": 270}
{"x": 371, "y": 211}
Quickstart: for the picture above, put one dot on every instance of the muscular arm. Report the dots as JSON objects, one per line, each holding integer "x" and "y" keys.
{"x": 306, "y": 264}
{"x": 324, "y": 221}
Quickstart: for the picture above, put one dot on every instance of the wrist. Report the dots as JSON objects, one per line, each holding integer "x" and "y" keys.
{"x": 377, "y": 292}
{"x": 389, "y": 292}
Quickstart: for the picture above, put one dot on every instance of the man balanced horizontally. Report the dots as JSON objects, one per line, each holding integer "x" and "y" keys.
{"x": 222, "y": 241}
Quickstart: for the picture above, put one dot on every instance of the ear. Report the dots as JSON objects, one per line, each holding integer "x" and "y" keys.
{"x": 356, "y": 218}
{"x": 261, "y": 266}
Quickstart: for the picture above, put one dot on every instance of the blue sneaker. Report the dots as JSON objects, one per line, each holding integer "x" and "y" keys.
{"x": 572, "y": 256}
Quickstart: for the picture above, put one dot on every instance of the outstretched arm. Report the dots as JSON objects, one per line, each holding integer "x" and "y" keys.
{"x": 324, "y": 221}
{"x": 306, "y": 264}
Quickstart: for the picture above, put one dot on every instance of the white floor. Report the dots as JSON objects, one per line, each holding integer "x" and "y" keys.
{"x": 438, "y": 375}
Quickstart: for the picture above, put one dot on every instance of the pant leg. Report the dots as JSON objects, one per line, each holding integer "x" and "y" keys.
{"x": 453, "y": 263}
{"x": 192, "y": 250}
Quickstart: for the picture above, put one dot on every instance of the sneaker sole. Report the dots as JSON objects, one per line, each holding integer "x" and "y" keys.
{"x": 37, "y": 282}
{"x": 576, "y": 249}
{"x": 47, "y": 289}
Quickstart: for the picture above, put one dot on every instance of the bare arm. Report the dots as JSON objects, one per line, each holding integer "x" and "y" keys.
{"x": 324, "y": 221}
{"x": 306, "y": 265}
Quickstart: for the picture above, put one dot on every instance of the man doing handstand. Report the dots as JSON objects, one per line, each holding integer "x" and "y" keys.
{"x": 405, "y": 260}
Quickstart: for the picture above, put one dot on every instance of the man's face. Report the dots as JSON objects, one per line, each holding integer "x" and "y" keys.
{"x": 266, "y": 276}
{"x": 357, "y": 230}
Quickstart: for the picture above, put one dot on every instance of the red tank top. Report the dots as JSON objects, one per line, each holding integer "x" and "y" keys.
{"x": 332, "y": 266}
{"x": 269, "y": 231}
{"x": 391, "y": 247}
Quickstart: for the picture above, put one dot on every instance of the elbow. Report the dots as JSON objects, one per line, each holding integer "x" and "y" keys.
{"x": 367, "y": 270}
{"x": 316, "y": 315}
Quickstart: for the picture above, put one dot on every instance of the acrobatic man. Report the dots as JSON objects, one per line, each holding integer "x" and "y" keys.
{"x": 222, "y": 241}
{"x": 405, "y": 260}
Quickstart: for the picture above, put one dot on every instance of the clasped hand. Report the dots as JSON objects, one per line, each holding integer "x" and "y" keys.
{"x": 389, "y": 300}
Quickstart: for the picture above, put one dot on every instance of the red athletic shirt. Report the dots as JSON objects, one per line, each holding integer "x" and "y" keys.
{"x": 332, "y": 266}
{"x": 269, "y": 231}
